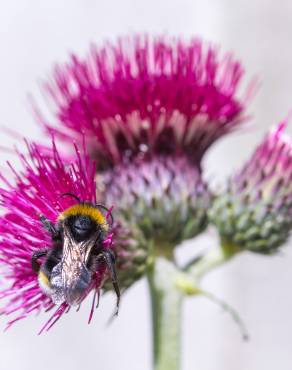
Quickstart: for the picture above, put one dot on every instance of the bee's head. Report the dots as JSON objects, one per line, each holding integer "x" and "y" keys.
{"x": 83, "y": 220}
{"x": 81, "y": 226}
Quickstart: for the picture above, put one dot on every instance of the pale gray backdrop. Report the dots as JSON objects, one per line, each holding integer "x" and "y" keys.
{"x": 34, "y": 34}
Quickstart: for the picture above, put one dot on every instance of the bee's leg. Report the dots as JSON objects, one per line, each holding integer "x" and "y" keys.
{"x": 34, "y": 259}
{"x": 49, "y": 227}
{"x": 108, "y": 256}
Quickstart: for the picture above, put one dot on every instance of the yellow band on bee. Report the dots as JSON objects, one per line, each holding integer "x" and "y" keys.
{"x": 85, "y": 210}
{"x": 43, "y": 279}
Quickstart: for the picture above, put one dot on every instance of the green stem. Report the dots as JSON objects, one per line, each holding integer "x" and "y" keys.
{"x": 168, "y": 285}
{"x": 214, "y": 258}
{"x": 166, "y": 302}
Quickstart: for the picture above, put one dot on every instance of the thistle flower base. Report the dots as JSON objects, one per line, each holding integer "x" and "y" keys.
{"x": 165, "y": 197}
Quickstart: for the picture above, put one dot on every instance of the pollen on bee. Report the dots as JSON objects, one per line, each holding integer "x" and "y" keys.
{"x": 44, "y": 283}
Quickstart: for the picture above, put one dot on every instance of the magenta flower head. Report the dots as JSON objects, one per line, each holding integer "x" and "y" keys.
{"x": 255, "y": 212}
{"x": 147, "y": 97}
{"x": 56, "y": 242}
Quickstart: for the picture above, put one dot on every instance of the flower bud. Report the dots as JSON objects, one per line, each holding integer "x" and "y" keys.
{"x": 255, "y": 212}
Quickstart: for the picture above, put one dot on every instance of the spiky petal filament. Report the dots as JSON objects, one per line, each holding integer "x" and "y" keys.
{"x": 36, "y": 190}
{"x": 143, "y": 96}
{"x": 255, "y": 212}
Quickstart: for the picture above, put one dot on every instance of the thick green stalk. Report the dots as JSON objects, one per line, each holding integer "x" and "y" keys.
{"x": 166, "y": 302}
{"x": 168, "y": 285}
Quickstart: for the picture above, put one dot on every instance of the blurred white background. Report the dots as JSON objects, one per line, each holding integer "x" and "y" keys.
{"x": 33, "y": 35}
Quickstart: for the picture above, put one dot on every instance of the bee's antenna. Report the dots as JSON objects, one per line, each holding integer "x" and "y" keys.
{"x": 71, "y": 195}
{"x": 109, "y": 212}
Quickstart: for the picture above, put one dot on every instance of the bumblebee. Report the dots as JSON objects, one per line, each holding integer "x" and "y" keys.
{"x": 69, "y": 267}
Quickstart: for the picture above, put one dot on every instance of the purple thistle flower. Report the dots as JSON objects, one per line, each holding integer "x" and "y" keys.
{"x": 147, "y": 97}
{"x": 255, "y": 212}
{"x": 36, "y": 191}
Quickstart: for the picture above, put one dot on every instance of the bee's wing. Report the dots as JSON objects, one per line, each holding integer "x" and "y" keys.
{"x": 57, "y": 288}
{"x": 72, "y": 279}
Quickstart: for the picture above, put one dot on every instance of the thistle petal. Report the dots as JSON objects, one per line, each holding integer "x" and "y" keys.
{"x": 144, "y": 96}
